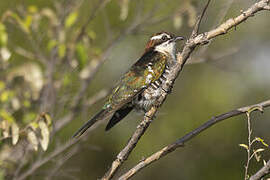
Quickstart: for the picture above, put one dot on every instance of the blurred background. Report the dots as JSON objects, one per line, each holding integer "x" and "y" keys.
{"x": 59, "y": 60}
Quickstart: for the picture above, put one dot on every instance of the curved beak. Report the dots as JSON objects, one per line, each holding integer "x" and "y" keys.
{"x": 178, "y": 38}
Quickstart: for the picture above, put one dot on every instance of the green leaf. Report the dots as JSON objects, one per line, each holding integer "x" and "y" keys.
{"x": 262, "y": 141}
{"x": 256, "y": 155}
{"x": 61, "y": 50}
{"x": 244, "y": 146}
{"x": 81, "y": 54}
{"x": 14, "y": 133}
{"x": 66, "y": 79}
{"x": 92, "y": 34}
{"x": 3, "y": 35}
{"x": 51, "y": 44}
{"x": 44, "y": 141}
{"x": 5, "y": 96}
{"x": 22, "y": 24}
{"x": 255, "y": 108}
{"x": 34, "y": 125}
{"x": 48, "y": 119}
{"x": 28, "y": 21}
{"x": 2, "y": 85}
{"x": 26, "y": 103}
{"x": 258, "y": 150}
{"x": 178, "y": 21}
{"x": 2, "y": 174}
{"x": 32, "y": 138}
{"x": 71, "y": 19}
{"x": 6, "y": 116}
{"x": 124, "y": 9}
{"x": 32, "y": 9}
{"x": 28, "y": 117}
{"x": 5, "y": 125}
{"x": 97, "y": 51}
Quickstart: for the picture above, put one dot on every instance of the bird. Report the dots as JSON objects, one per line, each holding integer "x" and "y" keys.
{"x": 138, "y": 88}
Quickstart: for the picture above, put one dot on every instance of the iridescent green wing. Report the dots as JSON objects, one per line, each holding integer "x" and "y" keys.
{"x": 145, "y": 71}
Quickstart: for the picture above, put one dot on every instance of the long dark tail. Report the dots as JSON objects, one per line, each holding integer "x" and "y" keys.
{"x": 119, "y": 115}
{"x": 101, "y": 115}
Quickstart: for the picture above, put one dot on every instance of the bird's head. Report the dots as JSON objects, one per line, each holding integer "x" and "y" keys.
{"x": 163, "y": 42}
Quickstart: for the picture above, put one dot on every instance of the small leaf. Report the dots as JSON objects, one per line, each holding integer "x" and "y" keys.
{"x": 48, "y": 119}
{"x": 26, "y": 103}
{"x": 124, "y": 9}
{"x": 257, "y": 157}
{"x": 81, "y": 54}
{"x": 32, "y": 9}
{"x": 244, "y": 146}
{"x": 191, "y": 11}
{"x": 262, "y": 141}
{"x": 51, "y": 44}
{"x": 258, "y": 150}
{"x": 34, "y": 125}
{"x": 61, "y": 50}
{"x": 5, "y": 96}
{"x": 22, "y": 24}
{"x": 44, "y": 141}
{"x": 15, "y": 133}
{"x": 3, "y": 35}
{"x": 177, "y": 21}
{"x": 264, "y": 162}
{"x": 71, "y": 19}
{"x": 92, "y": 34}
{"x": 6, "y": 116}
{"x": 28, "y": 21}
{"x": 2, "y": 85}
{"x": 32, "y": 138}
{"x": 29, "y": 117}
{"x": 2, "y": 174}
{"x": 5, "y": 53}
{"x": 15, "y": 103}
{"x": 254, "y": 108}
{"x": 49, "y": 13}
{"x": 5, "y": 126}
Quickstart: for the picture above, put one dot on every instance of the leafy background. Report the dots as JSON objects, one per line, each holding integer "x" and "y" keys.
{"x": 38, "y": 48}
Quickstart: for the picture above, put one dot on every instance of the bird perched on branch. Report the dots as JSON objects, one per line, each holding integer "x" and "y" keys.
{"x": 139, "y": 88}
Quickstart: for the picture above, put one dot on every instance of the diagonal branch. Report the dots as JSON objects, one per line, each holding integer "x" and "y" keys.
{"x": 180, "y": 142}
{"x": 265, "y": 170}
{"x": 196, "y": 28}
{"x": 175, "y": 70}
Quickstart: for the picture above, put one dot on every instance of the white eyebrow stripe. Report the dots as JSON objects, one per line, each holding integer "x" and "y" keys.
{"x": 160, "y": 36}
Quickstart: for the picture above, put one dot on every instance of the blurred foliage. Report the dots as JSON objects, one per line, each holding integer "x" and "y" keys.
{"x": 58, "y": 58}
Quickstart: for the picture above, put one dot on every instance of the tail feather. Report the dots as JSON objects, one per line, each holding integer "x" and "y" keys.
{"x": 118, "y": 116}
{"x": 101, "y": 115}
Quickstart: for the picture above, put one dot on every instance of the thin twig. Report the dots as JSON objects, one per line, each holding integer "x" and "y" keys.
{"x": 53, "y": 172}
{"x": 95, "y": 10}
{"x": 180, "y": 142}
{"x": 43, "y": 161}
{"x": 249, "y": 145}
{"x": 196, "y": 28}
{"x": 92, "y": 100}
{"x": 218, "y": 20}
